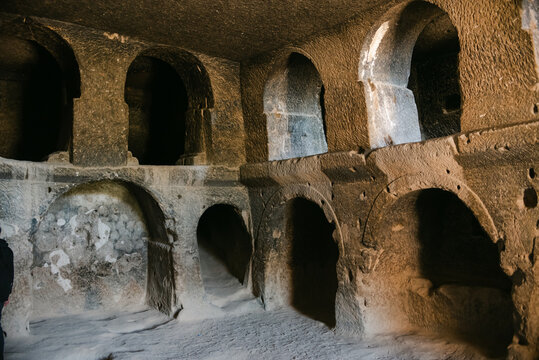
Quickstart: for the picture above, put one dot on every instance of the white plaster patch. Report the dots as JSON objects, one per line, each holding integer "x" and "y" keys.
{"x": 73, "y": 223}
{"x": 61, "y": 260}
{"x": 8, "y": 230}
{"x": 373, "y": 48}
{"x": 376, "y": 40}
{"x": 60, "y": 222}
{"x": 104, "y": 233}
{"x": 110, "y": 259}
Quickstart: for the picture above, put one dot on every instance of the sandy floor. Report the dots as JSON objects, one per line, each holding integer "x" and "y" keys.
{"x": 231, "y": 324}
{"x": 147, "y": 334}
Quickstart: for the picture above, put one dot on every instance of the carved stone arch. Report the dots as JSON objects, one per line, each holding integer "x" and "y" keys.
{"x": 294, "y": 107}
{"x": 42, "y": 79}
{"x": 405, "y": 104}
{"x": 274, "y": 247}
{"x": 421, "y": 181}
{"x": 188, "y": 127}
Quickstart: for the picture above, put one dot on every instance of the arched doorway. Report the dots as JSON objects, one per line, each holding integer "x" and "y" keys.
{"x": 439, "y": 271}
{"x": 157, "y": 101}
{"x": 39, "y": 77}
{"x": 293, "y": 104}
{"x": 312, "y": 260}
{"x": 170, "y": 100}
{"x": 224, "y": 250}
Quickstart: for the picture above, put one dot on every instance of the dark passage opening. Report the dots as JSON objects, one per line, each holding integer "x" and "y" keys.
{"x": 313, "y": 261}
{"x": 36, "y": 111}
{"x": 224, "y": 245}
{"x": 157, "y": 100}
{"x": 440, "y": 271}
{"x": 434, "y": 78}
{"x": 454, "y": 247}
{"x": 456, "y": 252}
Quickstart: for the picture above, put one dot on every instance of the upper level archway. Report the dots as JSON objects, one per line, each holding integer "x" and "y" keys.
{"x": 169, "y": 96}
{"x": 294, "y": 108}
{"x": 409, "y": 67}
{"x": 39, "y": 77}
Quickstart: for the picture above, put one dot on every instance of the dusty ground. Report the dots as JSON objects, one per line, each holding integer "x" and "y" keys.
{"x": 232, "y": 325}
{"x": 146, "y": 334}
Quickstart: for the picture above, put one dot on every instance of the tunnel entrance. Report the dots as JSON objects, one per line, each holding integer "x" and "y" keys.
{"x": 313, "y": 261}
{"x": 224, "y": 248}
{"x": 158, "y": 102}
{"x": 293, "y": 104}
{"x": 101, "y": 245}
{"x": 440, "y": 271}
{"x": 36, "y": 105}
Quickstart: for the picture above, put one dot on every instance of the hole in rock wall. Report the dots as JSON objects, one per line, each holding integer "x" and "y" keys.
{"x": 411, "y": 79}
{"x": 530, "y": 198}
{"x": 224, "y": 248}
{"x": 36, "y": 108}
{"x": 92, "y": 250}
{"x": 313, "y": 261}
{"x": 293, "y": 104}
{"x": 439, "y": 271}
{"x": 158, "y": 101}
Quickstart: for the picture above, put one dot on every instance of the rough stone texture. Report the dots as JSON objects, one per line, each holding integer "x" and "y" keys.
{"x": 293, "y": 105}
{"x": 100, "y": 115}
{"x": 31, "y": 190}
{"x": 376, "y": 197}
{"x": 488, "y": 171}
{"x": 496, "y": 67}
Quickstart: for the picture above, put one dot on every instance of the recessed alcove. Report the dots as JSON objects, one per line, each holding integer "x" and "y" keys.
{"x": 293, "y": 104}
{"x": 101, "y": 246}
{"x": 439, "y": 272}
{"x": 158, "y": 102}
{"x": 410, "y": 72}
{"x": 37, "y": 88}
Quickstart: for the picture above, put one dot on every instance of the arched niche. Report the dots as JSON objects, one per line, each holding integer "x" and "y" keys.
{"x": 39, "y": 77}
{"x": 409, "y": 68}
{"x": 293, "y": 104}
{"x": 437, "y": 271}
{"x": 225, "y": 249}
{"x": 102, "y": 245}
{"x": 169, "y": 95}
{"x": 300, "y": 268}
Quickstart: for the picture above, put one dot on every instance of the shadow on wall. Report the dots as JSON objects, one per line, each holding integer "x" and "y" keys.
{"x": 409, "y": 67}
{"x": 37, "y": 87}
{"x": 313, "y": 261}
{"x": 92, "y": 250}
{"x": 221, "y": 232}
{"x": 439, "y": 271}
{"x": 293, "y": 104}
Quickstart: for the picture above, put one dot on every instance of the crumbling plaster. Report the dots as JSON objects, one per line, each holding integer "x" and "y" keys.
{"x": 183, "y": 193}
